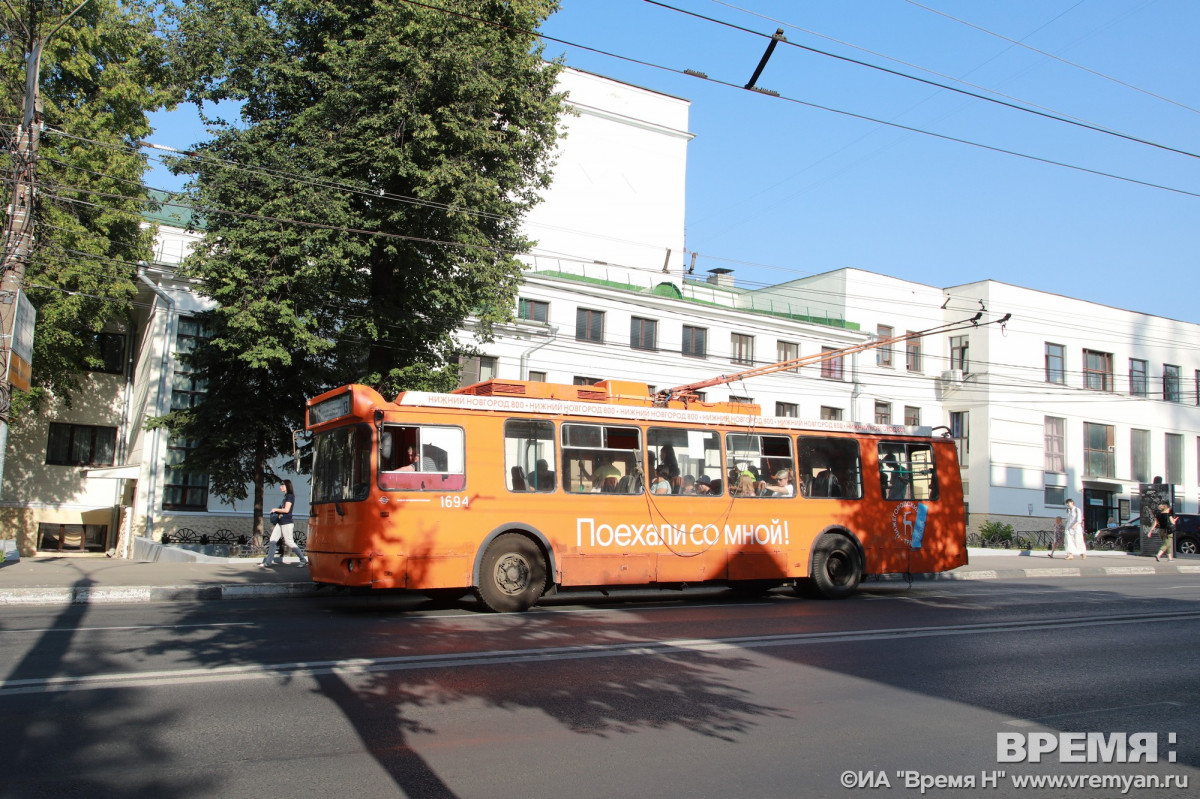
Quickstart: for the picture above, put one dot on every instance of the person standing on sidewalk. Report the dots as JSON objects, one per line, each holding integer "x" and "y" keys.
{"x": 284, "y": 526}
{"x": 1056, "y": 537}
{"x": 1074, "y": 533}
{"x": 1164, "y": 522}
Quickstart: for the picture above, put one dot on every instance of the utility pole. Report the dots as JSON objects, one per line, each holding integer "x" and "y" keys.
{"x": 18, "y": 236}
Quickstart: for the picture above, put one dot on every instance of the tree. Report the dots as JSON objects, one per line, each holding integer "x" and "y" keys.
{"x": 370, "y": 197}
{"x": 100, "y": 72}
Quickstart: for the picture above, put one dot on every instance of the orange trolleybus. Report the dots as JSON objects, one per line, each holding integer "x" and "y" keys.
{"x": 515, "y": 489}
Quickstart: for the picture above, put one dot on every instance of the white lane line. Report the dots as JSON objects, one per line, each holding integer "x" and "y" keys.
{"x": 129, "y": 627}
{"x": 358, "y": 666}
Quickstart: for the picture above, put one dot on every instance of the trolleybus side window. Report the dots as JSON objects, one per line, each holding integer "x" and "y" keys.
{"x": 829, "y": 468}
{"x": 760, "y": 465}
{"x": 906, "y": 471}
{"x": 342, "y": 464}
{"x": 529, "y": 455}
{"x": 424, "y": 458}
{"x": 601, "y": 458}
{"x": 683, "y": 461}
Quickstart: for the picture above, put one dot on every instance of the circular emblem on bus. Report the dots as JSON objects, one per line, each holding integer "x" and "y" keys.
{"x": 904, "y": 519}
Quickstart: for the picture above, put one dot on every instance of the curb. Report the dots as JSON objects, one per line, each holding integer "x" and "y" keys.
{"x": 116, "y": 595}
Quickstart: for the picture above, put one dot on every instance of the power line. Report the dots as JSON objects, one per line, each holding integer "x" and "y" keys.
{"x": 1045, "y": 114}
{"x": 1053, "y": 56}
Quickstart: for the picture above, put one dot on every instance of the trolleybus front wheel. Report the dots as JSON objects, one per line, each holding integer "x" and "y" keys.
{"x": 836, "y": 568}
{"x": 513, "y": 574}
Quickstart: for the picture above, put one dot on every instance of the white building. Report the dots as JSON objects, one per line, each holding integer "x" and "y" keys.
{"x": 1066, "y": 399}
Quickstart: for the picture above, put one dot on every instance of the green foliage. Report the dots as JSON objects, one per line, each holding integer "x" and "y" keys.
{"x": 100, "y": 73}
{"x": 997, "y": 532}
{"x": 368, "y": 200}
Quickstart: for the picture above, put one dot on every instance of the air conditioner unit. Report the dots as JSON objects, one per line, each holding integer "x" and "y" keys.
{"x": 953, "y": 375}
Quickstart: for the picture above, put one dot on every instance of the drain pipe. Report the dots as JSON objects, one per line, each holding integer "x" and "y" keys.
{"x": 551, "y": 335}
{"x": 168, "y": 338}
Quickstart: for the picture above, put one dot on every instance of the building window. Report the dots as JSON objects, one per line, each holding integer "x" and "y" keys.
{"x": 960, "y": 432}
{"x": 184, "y": 490}
{"x": 1174, "y": 471}
{"x": 106, "y": 352}
{"x": 695, "y": 343}
{"x": 643, "y": 334}
{"x": 1171, "y": 376}
{"x": 585, "y": 381}
{"x": 829, "y": 414}
{"x": 741, "y": 400}
{"x": 1054, "y": 435}
{"x": 81, "y": 445}
{"x": 789, "y": 409}
{"x": 1139, "y": 384}
{"x": 537, "y": 377}
{"x": 589, "y": 325}
{"x": 1139, "y": 456}
{"x": 959, "y": 353}
{"x": 476, "y": 369}
{"x": 187, "y": 389}
{"x": 742, "y": 347}
{"x": 1054, "y": 495}
{"x": 787, "y": 351}
{"x": 912, "y": 352}
{"x": 1097, "y": 450}
{"x": 1097, "y": 370}
{"x": 831, "y": 368}
{"x": 912, "y": 416}
{"x": 533, "y": 310}
{"x": 883, "y": 412}
{"x": 883, "y": 353}
{"x": 1056, "y": 355}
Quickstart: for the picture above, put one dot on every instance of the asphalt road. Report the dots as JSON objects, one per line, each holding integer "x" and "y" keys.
{"x": 701, "y": 696}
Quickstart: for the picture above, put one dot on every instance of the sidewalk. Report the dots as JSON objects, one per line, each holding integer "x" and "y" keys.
{"x": 89, "y": 579}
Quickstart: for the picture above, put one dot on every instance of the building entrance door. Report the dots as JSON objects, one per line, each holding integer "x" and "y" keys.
{"x": 1098, "y": 507}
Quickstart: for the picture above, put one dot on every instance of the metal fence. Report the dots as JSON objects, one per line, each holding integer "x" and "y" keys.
{"x": 1021, "y": 539}
{"x": 230, "y": 544}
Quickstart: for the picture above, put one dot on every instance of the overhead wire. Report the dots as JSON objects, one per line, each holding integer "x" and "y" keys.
{"x": 1060, "y": 59}
{"x": 1037, "y": 111}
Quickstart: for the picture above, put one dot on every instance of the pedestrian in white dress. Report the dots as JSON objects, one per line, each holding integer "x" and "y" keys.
{"x": 1074, "y": 533}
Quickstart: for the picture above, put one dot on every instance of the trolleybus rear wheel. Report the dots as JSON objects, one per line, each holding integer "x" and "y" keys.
{"x": 513, "y": 574}
{"x": 836, "y": 567}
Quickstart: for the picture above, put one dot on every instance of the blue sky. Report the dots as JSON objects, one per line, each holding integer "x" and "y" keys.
{"x": 778, "y": 190}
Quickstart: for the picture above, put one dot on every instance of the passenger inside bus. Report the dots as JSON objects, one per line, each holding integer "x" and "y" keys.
{"x": 662, "y": 481}
{"x": 424, "y": 464}
{"x": 781, "y": 486}
{"x": 894, "y": 482}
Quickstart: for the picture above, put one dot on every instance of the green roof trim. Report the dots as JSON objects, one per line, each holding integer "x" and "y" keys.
{"x": 671, "y": 291}
{"x": 168, "y": 212}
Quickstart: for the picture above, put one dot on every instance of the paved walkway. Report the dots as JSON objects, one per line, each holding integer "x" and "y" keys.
{"x": 63, "y": 579}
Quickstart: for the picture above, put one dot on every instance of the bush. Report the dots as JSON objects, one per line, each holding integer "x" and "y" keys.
{"x": 997, "y": 534}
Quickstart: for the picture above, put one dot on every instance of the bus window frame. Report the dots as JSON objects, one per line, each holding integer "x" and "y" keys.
{"x": 418, "y": 479}
{"x": 356, "y": 490}
{"x": 572, "y": 468}
{"x": 760, "y": 464}
{"x": 907, "y": 471}
{"x": 809, "y": 446}
{"x": 534, "y": 485}
{"x": 705, "y": 468}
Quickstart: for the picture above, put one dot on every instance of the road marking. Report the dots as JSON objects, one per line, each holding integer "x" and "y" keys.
{"x": 360, "y": 666}
{"x": 130, "y": 627}
{"x": 1037, "y": 721}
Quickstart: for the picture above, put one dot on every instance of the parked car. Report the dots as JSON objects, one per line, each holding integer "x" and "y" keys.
{"x": 1187, "y": 533}
{"x": 1127, "y": 537}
